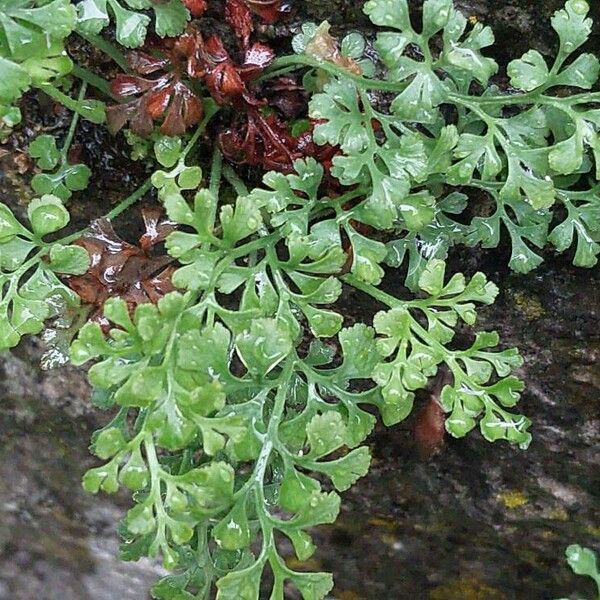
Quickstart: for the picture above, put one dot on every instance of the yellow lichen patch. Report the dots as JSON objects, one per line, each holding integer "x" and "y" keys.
{"x": 347, "y": 595}
{"x": 312, "y": 564}
{"x": 592, "y": 530}
{"x": 559, "y": 515}
{"x": 381, "y": 522}
{"x": 465, "y": 588}
{"x": 473, "y": 20}
{"x": 548, "y": 534}
{"x": 513, "y": 499}
{"x": 389, "y": 540}
{"x": 528, "y": 305}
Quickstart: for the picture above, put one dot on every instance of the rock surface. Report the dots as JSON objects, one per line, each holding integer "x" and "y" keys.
{"x": 476, "y": 522}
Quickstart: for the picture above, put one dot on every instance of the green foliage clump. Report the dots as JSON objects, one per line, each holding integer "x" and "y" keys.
{"x": 31, "y": 48}
{"x": 226, "y": 379}
{"x": 31, "y": 289}
{"x": 584, "y": 561}
{"x": 130, "y": 19}
{"x": 534, "y": 154}
{"x": 242, "y": 401}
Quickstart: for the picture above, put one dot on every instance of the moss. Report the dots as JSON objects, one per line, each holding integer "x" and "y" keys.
{"x": 382, "y": 522}
{"x": 348, "y": 595}
{"x": 593, "y": 530}
{"x": 559, "y": 515}
{"x": 465, "y": 588}
{"x": 513, "y": 499}
{"x": 312, "y": 564}
{"x": 528, "y": 305}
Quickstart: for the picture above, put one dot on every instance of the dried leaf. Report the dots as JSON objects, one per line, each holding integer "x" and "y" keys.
{"x": 120, "y": 269}
{"x": 263, "y": 141}
{"x": 288, "y": 96}
{"x": 157, "y": 228}
{"x": 225, "y": 80}
{"x": 323, "y": 46}
{"x": 266, "y": 142}
{"x": 196, "y": 7}
{"x": 238, "y": 15}
{"x": 257, "y": 58}
{"x": 268, "y": 10}
{"x": 166, "y": 97}
{"x": 430, "y": 429}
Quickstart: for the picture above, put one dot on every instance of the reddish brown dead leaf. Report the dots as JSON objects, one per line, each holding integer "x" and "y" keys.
{"x": 430, "y": 429}
{"x": 261, "y": 141}
{"x": 288, "y": 96}
{"x": 256, "y": 59}
{"x": 226, "y": 80}
{"x": 268, "y": 10}
{"x": 266, "y": 142}
{"x": 325, "y": 47}
{"x": 165, "y": 97}
{"x": 196, "y": 7}
{"x": 120, "y": 269}
{"x": 160, "y": 90}
{"x": 238, "y": 15}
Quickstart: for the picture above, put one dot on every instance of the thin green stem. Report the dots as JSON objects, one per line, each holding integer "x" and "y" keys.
{"x": 102, "y": 44}
{"x": 73, "y": 127}
{"x": 90, "y": 112}
{"x": 114, "y": 213}
{"x": 273, "y": 427}
{"x": 129, "y": 201}
{"x": 93, "y": 80}
{"x": 504, "y": 99}
{"x": 306, "y": 61}
{"x": 216, "y": 172}
{"x": 204, "y": 561}
{"x": 258, "y": 244}
{"x": 299, "y": 61}
{"x": 271, "y": 74}
{"x": 210, "y": 110}
{"x": 199, "y": 131}
{"x": 423, "y": 43}
{"x": 532, "y": 97}
{"x": 372, "y": 291}
{"x": 234, "y": 180}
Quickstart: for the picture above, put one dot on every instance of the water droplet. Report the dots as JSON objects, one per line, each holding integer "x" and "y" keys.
{"x": 393, "y": 393}
{"x": 580, "y": 7}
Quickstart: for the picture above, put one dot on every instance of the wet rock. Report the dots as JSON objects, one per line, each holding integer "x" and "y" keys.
{"x": 56, "y": 541}
{"x": 478, "y": 521}
{"x": 482, "y": 518}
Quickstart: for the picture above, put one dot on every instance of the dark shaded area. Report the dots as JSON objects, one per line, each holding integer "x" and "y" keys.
{"x": 477, "y": 522}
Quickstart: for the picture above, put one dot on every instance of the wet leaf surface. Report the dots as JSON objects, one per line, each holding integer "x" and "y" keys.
{"x": 436, "y": 530}
{"x": 120, "y": 269}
